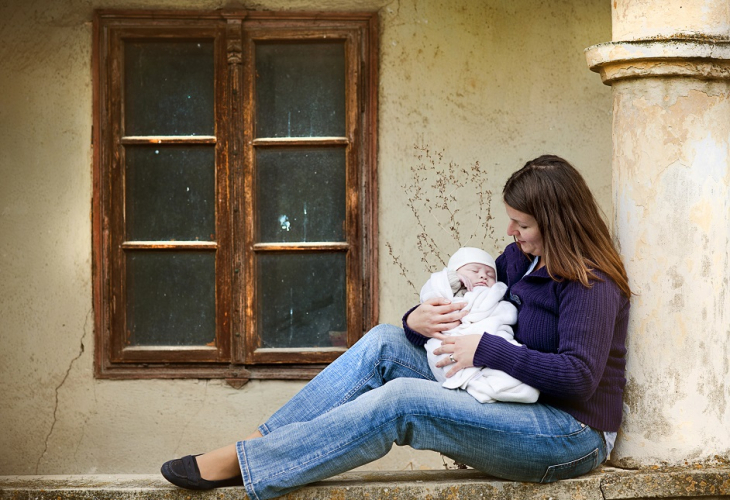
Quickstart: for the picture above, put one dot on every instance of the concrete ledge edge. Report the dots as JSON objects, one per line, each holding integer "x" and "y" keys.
{"x": 606, "y": 483}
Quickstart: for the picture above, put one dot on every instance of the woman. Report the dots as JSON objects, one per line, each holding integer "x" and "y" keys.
{"x": 572, "y": 293}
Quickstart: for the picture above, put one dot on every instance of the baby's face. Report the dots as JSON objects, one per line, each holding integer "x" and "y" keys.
{"x": 477, "y": 274}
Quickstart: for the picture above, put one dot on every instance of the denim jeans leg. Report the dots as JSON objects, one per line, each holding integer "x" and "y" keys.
{"x": 525, "y": 442}
{"x": 382, "y": 354}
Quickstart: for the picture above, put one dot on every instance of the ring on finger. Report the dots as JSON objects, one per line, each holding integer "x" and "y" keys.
{"x": 451, "y": 357}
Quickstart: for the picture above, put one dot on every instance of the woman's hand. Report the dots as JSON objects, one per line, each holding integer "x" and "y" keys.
{"x": 436, "y": 315}
{"x": 460, "y": 349}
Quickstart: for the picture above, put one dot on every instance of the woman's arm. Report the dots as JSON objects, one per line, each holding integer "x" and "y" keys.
{"x": 431, "y": 318}
{"x": 413, "y": 336}
{"x": 588, "y": 321}
{"x": 434, "y": 316}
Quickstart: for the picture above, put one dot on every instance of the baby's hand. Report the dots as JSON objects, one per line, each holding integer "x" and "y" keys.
{"x": 466, "y": 281}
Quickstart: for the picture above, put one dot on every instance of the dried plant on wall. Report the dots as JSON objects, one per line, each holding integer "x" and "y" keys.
{"x": 451, "y": 206}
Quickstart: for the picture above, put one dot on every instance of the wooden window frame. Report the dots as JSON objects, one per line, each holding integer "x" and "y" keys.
{"x": 235, "y": 356}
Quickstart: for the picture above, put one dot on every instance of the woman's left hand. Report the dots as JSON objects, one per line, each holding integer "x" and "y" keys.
{"x": 461, "y": 349}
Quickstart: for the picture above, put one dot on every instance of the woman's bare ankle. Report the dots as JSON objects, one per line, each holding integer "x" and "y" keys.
{"x": 219, "y": 464}
{"x": 254, "y": 435}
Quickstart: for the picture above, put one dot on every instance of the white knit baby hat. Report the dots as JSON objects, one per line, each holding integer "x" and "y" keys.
{"x": 466, "y": 255}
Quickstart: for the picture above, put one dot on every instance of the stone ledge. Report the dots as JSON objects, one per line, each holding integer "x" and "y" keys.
{"x": 605, "y": 484}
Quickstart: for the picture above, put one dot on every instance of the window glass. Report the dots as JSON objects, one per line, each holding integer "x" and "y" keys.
{"x": 300, "y": 89}
{"x": 169, "y": 88}
{"x": 301, "y": 194}
{"x": 301, "y": 300}
{"x": 170, "y": 298}
{"x": 170, "y": 193}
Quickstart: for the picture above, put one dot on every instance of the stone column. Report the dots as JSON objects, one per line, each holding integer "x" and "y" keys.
{"x": 669, "y": 67}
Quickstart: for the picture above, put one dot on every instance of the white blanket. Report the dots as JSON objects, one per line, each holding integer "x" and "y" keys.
{"x": 490, "y": 315}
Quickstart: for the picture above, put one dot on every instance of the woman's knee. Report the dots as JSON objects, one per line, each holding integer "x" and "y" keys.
{"x": 383, "y": 336}
{"x": 394, "y": 355}
{"x": 386, "y": 332}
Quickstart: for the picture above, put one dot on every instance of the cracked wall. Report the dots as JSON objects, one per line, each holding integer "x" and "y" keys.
{"x": 481, "y": 80}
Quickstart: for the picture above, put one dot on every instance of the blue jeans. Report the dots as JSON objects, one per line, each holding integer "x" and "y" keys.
{"x": 381, "y": 392}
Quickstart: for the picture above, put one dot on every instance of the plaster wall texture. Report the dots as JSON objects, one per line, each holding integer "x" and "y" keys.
{"x": 672, "y": 197}
{"x": 642, "y": 19}
{"x": 467, "y": 80}
{"x": 482, "y": 87}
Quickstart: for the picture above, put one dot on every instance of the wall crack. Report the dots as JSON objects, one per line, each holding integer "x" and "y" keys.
{"x": 58, "y": 388}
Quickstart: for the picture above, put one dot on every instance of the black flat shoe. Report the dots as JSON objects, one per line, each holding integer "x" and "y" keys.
{"x": 184, "y": 472}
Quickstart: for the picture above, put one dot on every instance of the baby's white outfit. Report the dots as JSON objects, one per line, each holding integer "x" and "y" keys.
{"x": 490, "y": 315}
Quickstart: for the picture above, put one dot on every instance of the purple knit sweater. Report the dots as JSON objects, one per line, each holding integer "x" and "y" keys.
{"x": 574, "y": 339}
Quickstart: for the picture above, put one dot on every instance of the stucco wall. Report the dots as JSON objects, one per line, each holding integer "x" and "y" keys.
{"x": 497, "y": 83}
{"x": 462, "y": 82}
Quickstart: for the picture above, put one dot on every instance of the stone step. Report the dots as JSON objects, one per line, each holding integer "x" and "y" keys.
{"x": 604, "y": 484}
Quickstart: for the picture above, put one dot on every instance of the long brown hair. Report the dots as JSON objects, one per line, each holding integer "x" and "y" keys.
{"x": 576, "y": 240}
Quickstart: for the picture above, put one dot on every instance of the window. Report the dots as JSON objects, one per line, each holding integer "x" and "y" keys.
{"x": 234, "y": 201}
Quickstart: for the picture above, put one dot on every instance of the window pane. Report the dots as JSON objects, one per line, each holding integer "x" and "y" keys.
{"x": 300, "y": 194}
{"x": 168, "y": 88}
{"x": 170, "y": 193}
{"x": 302, "y": 300}
{"x": 300, "y": 90}
{"x": 170, "y": 298}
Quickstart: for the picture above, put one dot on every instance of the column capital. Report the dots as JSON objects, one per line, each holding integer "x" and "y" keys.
{"x": 704, "y": 59}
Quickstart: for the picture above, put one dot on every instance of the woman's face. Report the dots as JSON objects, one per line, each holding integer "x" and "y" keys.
{"x": 524, "y": 229}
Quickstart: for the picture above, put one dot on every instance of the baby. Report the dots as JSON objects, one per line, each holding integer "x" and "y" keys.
{"x": 471, "y": 277}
